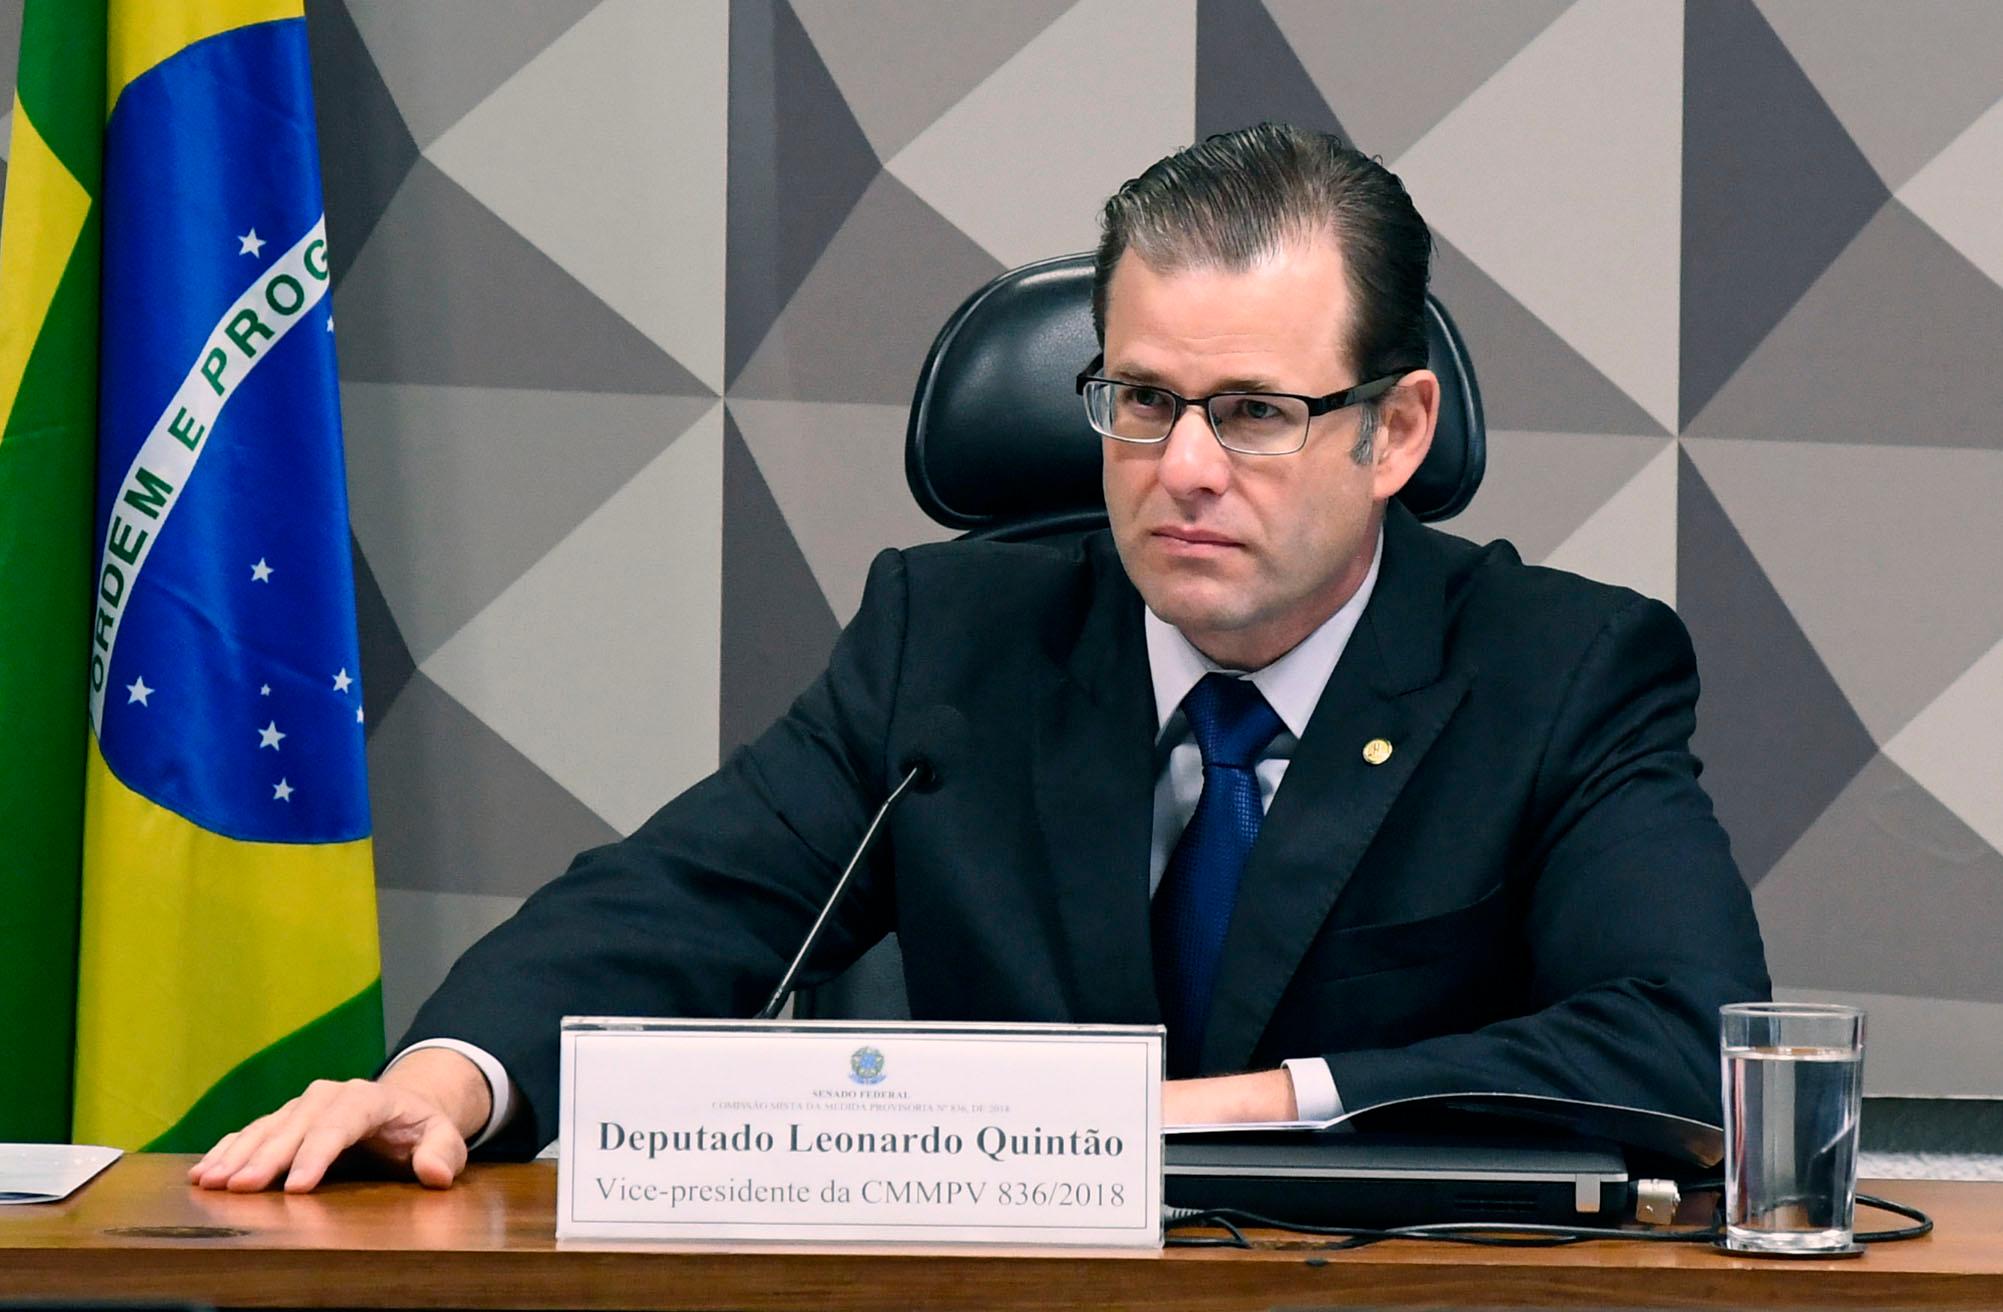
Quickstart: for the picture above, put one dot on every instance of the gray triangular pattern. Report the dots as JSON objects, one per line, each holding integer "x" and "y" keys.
{"x": 859, "y": 327}
{"x": 1093, "y": 100}
{"x": 1247, "y": 73}
{"x": 459, "y": 810}
{"x": 1540, "y": 487}
{"x": 458, "y": 490}
{"x": 1897, "y": 343}
{"x": 649, "y": 242}
{"x": 1773, "y": 190}
{"x": 821, "y": 462}
{"x": 600, "y": 662}
{"x": 443, "y": 57}
{"x": 901, "y": 64}
{"x": 1955, "y": 746}
{"x": 1530, "y": 379}
{"x": 1960, "y": 193}
{"x": 444, "y": 292}
{"x": 1887, "y": 892}
{"x": 1886, "y": 556}
{"x": 1777, "y": 738}
{"x": 1903, "y": 79}
{"x": 366, "y": 149}
{"x": 1362, "y": 54}
{"x": 799, "y": 162}
{"x": 386, "y": 660}
{"x": 777, "y": 628}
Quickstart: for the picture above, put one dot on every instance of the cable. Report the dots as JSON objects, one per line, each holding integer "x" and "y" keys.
{"x": 1490, "y": 1234}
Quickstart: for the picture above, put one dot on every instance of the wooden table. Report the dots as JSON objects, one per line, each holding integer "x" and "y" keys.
{"x": 138, "y": 1232}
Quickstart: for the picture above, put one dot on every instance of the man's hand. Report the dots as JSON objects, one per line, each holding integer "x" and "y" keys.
{"x": 420, "y": 1114}
{"x": 1223, "y": 1099}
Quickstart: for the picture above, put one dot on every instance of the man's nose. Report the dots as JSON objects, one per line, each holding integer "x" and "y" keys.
{"x": 1192, "y": 460}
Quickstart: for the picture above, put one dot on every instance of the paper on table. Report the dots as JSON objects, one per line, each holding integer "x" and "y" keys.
{"x": 49, "y": 1172}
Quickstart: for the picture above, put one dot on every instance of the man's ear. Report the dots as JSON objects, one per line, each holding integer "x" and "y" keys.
{"x": 1406, "y": 418}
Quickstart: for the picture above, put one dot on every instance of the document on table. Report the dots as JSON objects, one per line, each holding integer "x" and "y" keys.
{"x": 49, "y": 1172}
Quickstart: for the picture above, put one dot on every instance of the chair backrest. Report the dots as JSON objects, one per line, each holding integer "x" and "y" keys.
{"x": 997, "y": 443}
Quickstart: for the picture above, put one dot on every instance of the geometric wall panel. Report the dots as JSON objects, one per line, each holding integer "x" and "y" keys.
{"x": 455, "y": 491}
{"x": 1896, "y": 616}
{"x": 1960, "y": 193}
{"x": 1777, "y": 738}
{"x": 1247, "y": 73}
{"x": 1631, "y": 540}
{"x": 1901, "y": 88}
{"x": 584, "y": 203}
{"x": 1362, "y": 54}
{"x": 900, "y": 64}
{"x": 515, "y": 317}
{"x": 841, "y": 338}
{"x": 1895, "y": 343}
{"x": 1888, "y": 853}
{"x": 459, "y": 810}
{"x": 1531, "y": 379}
{"x": 363, "y": 137}
{"x": 600, "y": 663}
{"x": 1587, "y": 239}
{"x": 1540, "y": 487}
{"x": 777, "y": 629}
{"x": 444, "y": 57}
{"x": 1954, "y": 747}
{"x": 798, "y": 163}
{"x": 1773, "y": 190}
{"x": 823, "y": 461}
{"x": 1095, "y": 98}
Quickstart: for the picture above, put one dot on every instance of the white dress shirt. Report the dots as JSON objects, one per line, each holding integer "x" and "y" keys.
{"x": 1291, "y": 685}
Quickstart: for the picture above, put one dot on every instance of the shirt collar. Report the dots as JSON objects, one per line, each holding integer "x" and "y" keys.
{"x": 1291, "y": 685}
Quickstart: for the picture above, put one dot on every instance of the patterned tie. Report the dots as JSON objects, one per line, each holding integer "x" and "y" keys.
{"x": 1232, "y": 724}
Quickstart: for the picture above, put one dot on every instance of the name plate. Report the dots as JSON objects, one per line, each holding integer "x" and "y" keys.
{"x": 847, "y": 1131}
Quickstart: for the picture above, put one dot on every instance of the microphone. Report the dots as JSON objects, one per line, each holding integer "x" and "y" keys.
{"x": 948, "y": 735}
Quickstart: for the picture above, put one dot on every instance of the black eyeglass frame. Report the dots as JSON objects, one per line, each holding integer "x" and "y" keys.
{"x": 1316, "y": 405}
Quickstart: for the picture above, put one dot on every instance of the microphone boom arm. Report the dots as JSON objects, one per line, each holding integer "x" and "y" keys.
{"x": 785, "y": 989}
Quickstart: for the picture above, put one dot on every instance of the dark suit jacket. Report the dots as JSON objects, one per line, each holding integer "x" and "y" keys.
{"x": 1531, "y": 894}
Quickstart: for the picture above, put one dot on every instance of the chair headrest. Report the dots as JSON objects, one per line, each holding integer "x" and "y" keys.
{"x": 998, "y": 444}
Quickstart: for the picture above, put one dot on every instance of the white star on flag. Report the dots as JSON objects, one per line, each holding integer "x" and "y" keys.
{"x": 250, "y": 244}
{"x": 270, "y": 736}
{"x": 140, "y": 692}
{"x": 358, "y": 715}
{"x": 260, "y": 572}
{"x": 282, "y": 793}
{"x": 264, "y": 690}
{"x": 341, "y": 680}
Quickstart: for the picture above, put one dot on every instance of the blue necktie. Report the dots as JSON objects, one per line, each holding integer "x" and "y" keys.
{"x": 1232, "y": 725}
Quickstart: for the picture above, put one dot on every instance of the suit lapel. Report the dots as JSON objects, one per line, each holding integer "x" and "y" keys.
{"x": 1093, "y": 758}
{"x": 1388, "y": 685}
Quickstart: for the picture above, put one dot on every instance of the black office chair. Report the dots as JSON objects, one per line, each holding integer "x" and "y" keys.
{"x": 997, "y": 445}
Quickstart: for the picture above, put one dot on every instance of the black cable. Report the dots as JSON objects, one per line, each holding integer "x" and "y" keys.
{"x": 1491, "y": 1234}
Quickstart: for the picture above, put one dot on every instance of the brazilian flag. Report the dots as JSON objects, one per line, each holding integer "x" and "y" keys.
{"x": 224, "y": 921}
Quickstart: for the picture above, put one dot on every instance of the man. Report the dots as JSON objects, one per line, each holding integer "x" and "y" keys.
{"x": 1490, "y": 866}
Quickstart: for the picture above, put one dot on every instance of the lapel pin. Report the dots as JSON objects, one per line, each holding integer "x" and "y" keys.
{"x": 1377, "y": 751}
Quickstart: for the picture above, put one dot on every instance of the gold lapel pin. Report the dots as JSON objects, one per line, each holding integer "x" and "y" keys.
{"x": 1377, "y": 751}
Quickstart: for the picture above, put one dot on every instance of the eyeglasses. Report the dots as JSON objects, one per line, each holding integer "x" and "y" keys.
{"x": 1251, "y": 423}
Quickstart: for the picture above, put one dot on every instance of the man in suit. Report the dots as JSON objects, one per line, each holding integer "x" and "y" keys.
{"x": 1360, "y": 810}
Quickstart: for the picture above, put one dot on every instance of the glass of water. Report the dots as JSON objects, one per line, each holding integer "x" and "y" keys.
{"x": 1794, "y": 1085}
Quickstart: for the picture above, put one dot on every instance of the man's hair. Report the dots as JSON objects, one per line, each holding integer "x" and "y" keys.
{"x": 1237, "y": 197}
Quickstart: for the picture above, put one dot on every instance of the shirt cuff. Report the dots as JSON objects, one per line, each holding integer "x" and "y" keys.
{"x": 499, "y": 1087}
{"x": 1315, "y": 1098}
